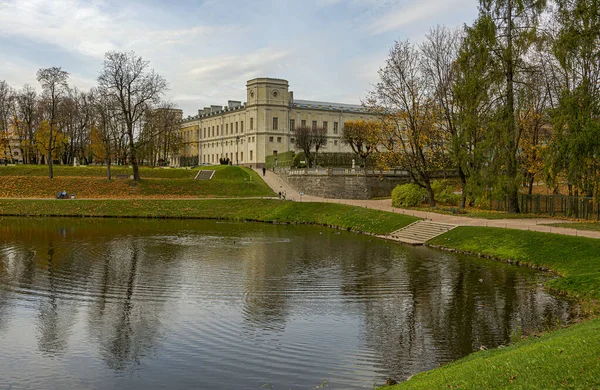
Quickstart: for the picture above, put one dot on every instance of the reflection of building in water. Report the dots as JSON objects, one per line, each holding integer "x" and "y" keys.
{"x": 267, "y": 265}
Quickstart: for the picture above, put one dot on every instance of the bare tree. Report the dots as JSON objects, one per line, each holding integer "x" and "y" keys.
{"x": 319, "y": 139}
{"x": 54, "y": 85}
{"x": 405, "y": 103}
{"x": 303, "y": 140}
{"x": 28, "y": 118}
{"x": 159, "y": 136}
{"x": 7, "y": 99}
{"x": 126, "y": 78}
{"x": 439, "y": 55}
{"x": 105, "y": 128}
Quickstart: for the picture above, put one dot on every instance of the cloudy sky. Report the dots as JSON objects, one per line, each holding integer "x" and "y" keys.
{"x": 327, "y": 49}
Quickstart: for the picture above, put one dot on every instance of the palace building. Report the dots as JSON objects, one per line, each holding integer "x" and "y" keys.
{"x": 248, "y": 132}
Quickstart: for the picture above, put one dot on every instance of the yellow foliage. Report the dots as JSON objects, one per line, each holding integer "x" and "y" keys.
{"x": 97, "y": 145}
{"x": 42, "y": 139}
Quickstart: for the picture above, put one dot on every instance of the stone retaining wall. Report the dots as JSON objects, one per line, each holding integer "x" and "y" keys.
{"x": 345, "y": 186}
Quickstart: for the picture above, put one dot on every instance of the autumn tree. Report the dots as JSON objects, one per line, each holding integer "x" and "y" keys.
{"x": 54, "y": 86}
{"x": 49, "y": 142}
{"x": 363, "y": 137}
{"x": 127, "y": 79}
{"x": 405, "y": 102}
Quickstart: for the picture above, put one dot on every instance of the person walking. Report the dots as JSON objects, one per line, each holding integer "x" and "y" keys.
{"x": 264, "y": 171}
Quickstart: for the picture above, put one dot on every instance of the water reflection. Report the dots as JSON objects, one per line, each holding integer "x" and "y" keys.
{"x": 191, "y": 303}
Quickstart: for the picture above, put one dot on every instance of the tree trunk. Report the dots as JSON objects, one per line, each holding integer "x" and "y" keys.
{"x": 513, "y": 191}
{"x": 530, "y": 184}
{"x": 132, "y": 154}
{"x": 108, "y": 168}
{"x": 463, "y": 183}
{"x": 430, "y": 194}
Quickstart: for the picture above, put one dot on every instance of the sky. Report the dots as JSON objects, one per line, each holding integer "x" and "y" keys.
{"x": 328, "y": 50}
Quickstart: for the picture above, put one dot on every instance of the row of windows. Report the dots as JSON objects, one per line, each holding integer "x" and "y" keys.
{"x": 229, "y": 129}
{"x": 292, "y": 140}
{"x": 226, "y": 143}
{"x": 314, "y": 125}
{"x": 211, "y": 158}
{"x": 216, "y": 130}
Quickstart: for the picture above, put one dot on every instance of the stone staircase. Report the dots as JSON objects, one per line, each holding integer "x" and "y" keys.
{"x": 418, "y": 233}
{"x": 204, "y": 175}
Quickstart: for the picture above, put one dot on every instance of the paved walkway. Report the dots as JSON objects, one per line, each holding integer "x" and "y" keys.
{"x": 540, "y": 225}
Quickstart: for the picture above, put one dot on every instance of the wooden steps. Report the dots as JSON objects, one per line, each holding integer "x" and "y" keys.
{"x": 418, "y": 233}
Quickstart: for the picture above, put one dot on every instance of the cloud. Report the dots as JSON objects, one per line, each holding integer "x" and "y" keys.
{"x": 88, "y": 28}
{"x": 409, "y": 14}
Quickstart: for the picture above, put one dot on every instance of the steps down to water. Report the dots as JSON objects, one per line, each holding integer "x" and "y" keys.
{"x": 418, "y": 233}
{"x": 204, "y": 175}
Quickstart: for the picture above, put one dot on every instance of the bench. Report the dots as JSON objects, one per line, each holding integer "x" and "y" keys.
{"x": 122, "y": 176}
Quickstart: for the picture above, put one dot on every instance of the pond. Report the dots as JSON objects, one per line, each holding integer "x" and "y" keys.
{"x": 125, "y": 303}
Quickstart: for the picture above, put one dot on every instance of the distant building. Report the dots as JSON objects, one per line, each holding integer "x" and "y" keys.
{"x": 247, "y": 133}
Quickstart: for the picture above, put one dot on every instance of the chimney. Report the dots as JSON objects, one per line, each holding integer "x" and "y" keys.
{"x": 233, "y": 104}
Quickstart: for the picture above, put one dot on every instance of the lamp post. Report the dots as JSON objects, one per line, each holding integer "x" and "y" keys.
{"x": 237, "y": 140}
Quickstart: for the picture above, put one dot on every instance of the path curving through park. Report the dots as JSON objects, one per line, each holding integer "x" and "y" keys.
{"x": 540, "y": 225}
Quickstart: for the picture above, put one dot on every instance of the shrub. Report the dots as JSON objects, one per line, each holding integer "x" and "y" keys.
{"x": 444, "y": 192}
{"x": 297, "y": 160}
{"x": 408, "y": 195}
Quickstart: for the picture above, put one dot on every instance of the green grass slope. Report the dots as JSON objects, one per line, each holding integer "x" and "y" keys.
{"x": 270, "y": 210}
{"x": 228, "y": 181}
{"x": 565, "y": 359}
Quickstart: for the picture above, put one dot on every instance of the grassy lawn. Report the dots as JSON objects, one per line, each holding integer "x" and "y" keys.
{"x": 567, "y": 358}
{"x": 335, "y": 215}
{"x": 476, "y": 213}
{"x": 97, "y": 171}
{"x": 593, "y": 226}
{"x": 228, "y": 181}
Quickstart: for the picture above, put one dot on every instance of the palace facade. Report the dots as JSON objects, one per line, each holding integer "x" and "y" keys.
{"x": 248, "y": 132}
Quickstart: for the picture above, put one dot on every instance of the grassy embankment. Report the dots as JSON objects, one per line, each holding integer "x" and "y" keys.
{"x": 567, "y": 358}
{"x": 30, "y": 181}
{"x": 268, "y": 210}
{"x": 592, "y": 226}
{"x": 473, "y": 212}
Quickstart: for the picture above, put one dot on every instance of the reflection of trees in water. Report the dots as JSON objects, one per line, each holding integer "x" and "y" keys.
{"x": 56, "y": 316}
{"x": 123, "y": 319}
{"x": 17, "y": 268}
{"x": 445, "y": 308}
{"x": 67, "y": 267}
